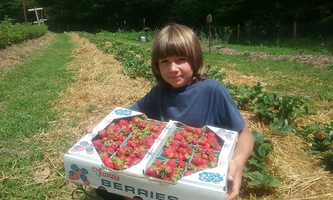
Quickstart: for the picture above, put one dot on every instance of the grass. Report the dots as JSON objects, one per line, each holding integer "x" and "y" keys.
{"x": 281, "y": 76}
{"x": 27, "y": 93}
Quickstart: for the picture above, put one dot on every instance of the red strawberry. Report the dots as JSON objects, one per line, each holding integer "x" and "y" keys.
{"x": 122, "y": 122}
{"x": 188, "y": 172}
{"x": 182, "y": 164}
{"x": 120, "y": 152}
{"x": 98, "y": 143}
{"x": 172, "y": 163}
{"x": 150, "y": 171}
{"x": 136, "y": 120}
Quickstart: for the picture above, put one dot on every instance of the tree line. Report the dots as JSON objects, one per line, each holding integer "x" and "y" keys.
{"x": 93, "y": 15}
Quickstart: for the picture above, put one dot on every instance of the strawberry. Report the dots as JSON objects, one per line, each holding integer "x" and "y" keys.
{"x": 182, "y": 164}
{"x": 188, "y": 172}
{"x": 172, "y": 163}
{"x": 103, "y": 133}
{"x": 122, "y": 122}
{"x": 198, "y": 132}
{"x": 98, "y": 143}
{"x": 120, "y": 152}
{"x": 136, "y": 120}
{"x": 150, "y": 171}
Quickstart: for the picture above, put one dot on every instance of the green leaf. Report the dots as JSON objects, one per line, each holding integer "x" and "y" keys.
{"x": 262, "y": 180}
{"x": 265, "y": 150}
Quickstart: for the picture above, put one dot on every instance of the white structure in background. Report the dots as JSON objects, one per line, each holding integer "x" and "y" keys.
{"x": 37, "y": 17}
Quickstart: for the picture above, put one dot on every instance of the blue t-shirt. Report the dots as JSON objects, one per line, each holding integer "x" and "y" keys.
{"x": 205, "y": 102}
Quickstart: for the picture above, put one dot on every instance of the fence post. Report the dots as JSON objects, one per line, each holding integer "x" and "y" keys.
{"x": 294, "y": 33}
{"x": 209, "y": 20}
{"x": 238, "y": 33}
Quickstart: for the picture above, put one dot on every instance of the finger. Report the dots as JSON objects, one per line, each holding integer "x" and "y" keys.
{"x": 232, "y": 172}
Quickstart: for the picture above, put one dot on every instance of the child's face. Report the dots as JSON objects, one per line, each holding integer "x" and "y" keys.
{"x": 176, "y": 70}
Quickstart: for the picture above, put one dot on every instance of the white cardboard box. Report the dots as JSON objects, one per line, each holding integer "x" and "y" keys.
{"x": 84, "y": 166}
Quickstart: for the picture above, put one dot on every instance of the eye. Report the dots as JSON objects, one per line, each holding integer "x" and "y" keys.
{"x": 163, "y": 61}
{"x": 181, "y": 60}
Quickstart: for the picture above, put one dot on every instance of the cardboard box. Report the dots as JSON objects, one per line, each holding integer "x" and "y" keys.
{"x": 83, "y": 165}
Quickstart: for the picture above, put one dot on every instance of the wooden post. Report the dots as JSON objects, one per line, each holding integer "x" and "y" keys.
{"x": 37, "y": 16}
{"x": 294, "y": 33}
{"x": 209, "y": 20}
{"x": 144, "y": 24}
{"x": 24, "y": 12}
{"x": 238, "y": 33}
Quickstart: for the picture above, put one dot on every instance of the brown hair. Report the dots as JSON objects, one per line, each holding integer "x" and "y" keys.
{"x": 177, "y": 40}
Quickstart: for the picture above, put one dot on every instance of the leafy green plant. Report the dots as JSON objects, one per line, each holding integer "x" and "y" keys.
{"x": 282, "y": 126}
{"x": 320, "y": 142}
{"x": 244, "y": 95}
{"x": 215, "y": 73}
{"x": 257, "y": 170}
{"x": 133, "y": 55}
{"x": 274, "y": 108}
{"x": 17, "y": 33}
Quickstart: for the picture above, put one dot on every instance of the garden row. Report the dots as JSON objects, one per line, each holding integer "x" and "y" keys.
{"x": 16, "y": 33}
{"x": 277, "y": 112}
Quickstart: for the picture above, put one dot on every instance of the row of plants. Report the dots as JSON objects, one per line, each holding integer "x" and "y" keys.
{"x": 277, "y": 112}
{"x": 280, "y": 114}
{"x": 16, "y": 33}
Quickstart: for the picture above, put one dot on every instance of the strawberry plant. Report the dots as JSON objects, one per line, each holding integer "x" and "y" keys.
{"x": 215, "y": 73}
{"x": 134, "y": 56}
{"x": 319, "y": 138}
{"x": 278, "y": 111}
{"x": 16, "y": 33}
{"x": 124, "y": 143}
{"x": 257, "y": 172}
{"x": 244, "y": 95}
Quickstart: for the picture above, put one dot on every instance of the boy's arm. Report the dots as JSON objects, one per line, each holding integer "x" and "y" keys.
{"x": 242, "y": 152}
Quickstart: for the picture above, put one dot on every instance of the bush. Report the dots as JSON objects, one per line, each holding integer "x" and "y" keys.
{"x": 16, "y": 33}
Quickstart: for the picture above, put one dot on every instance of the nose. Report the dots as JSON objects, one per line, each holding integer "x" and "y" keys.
{"x": 173, "y": 66}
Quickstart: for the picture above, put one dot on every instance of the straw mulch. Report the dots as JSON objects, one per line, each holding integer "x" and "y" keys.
{"x": 100, "y": 86}
{"x": 15, "y": 54}
{"x": 300, "y": 174}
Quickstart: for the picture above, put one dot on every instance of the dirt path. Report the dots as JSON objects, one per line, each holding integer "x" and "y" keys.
{"x": 314, "y": 60}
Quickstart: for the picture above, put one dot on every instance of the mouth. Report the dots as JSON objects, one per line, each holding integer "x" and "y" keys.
{"x": 175, "y": 77}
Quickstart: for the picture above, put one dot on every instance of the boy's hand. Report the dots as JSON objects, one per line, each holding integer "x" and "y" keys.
{"x": 234, "y": 178}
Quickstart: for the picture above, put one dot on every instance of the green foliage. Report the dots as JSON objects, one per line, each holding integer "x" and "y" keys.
{"x": 278, "y": 111}
{"x": 257, "y": 171}
{"x": 133, "y": 54}
{"x": 271, "y": 107}
{"x": 17, "y": 33}
{"x": 245, "y": 95}
{"x": 319, "y": 138}
{"x": 215, "y": 73}
{"x": 260, "y": 180}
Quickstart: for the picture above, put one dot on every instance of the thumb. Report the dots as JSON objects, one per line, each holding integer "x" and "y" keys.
{"x": 232, "y": 172}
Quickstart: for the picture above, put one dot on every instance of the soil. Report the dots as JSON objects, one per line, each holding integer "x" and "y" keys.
{"x": 313, "y": 60}
{"x": 101, "y": 85}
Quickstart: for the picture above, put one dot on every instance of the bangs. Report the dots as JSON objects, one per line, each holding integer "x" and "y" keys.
{"x": 173, "y": 45}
